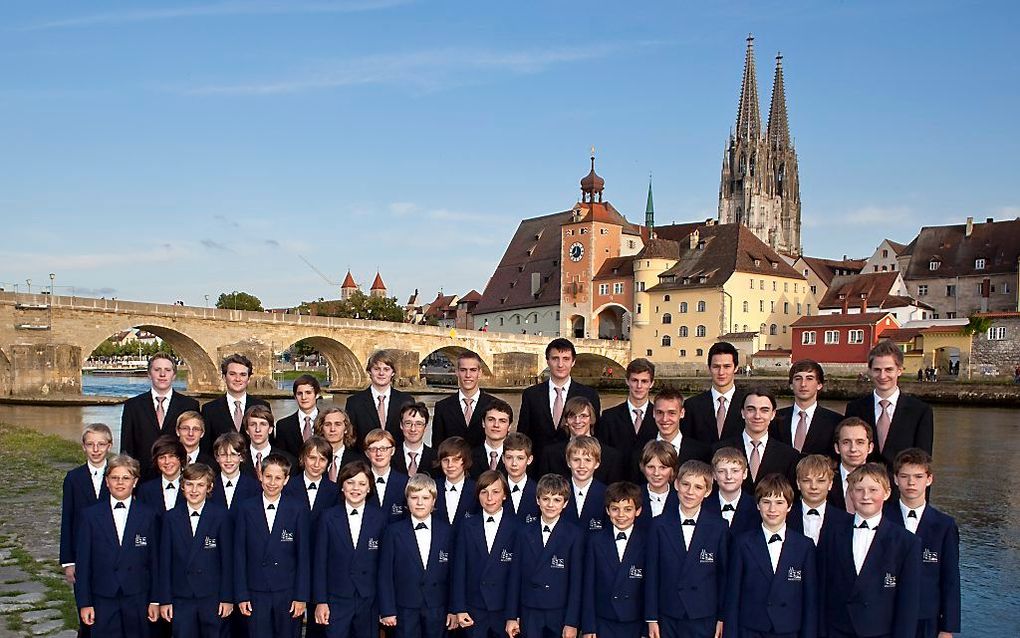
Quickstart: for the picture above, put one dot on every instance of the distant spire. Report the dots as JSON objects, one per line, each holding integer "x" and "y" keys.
{"x": 649, "y": 207}
{"x": 592, "y": 184}
{"x": 748, "y": 113}
{"x": 779, "y": 126}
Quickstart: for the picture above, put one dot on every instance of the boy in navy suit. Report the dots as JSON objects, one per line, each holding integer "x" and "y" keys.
{"x": 496, "y": 422}
{"x": 870, "y": 571}
{"x": 457, "y": 497}
{"x": 195, "y": 561}
{"x": 614, "y": 569}
{"x": 854, "y": 442}
{"x": 940, "y": 544}
{"x": 772, "y": 581}
{"x": 729, "y": 469}
{"x": 517, "y": 456}
{"x": 414, "y": 567}
{"x": 165, "y": 492}
{"x": 190, "y": 430}
{"x": 587, "y": 507}
{"x": 117, "y": 558}
{"x": 258, "y": 424}
{"x": 811, "y": 514}
{"x": 658, "y": 465}
{"x": 346, "y": 563}
{"x": 481, "y": 564}
{"x": 544, "y": 592}
{"x": 272, "y": 556}
{"x": 83, "y": 486}
{"x": 232, "y": 486}
{"x": 685, "y": 583}
{"x": 312, "y": 488}
{"x": 389, "y": 484}
{"x": 413, "y": 455}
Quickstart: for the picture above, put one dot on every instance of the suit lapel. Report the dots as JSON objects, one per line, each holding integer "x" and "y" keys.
{"x": 760, "y": 551}
{"x": 130, "y": 525}
{"x": 875, "y": 552}
{"x": 198, "y": 540}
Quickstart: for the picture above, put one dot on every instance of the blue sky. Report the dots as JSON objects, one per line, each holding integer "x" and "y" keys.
{"x": 169, "y": 150}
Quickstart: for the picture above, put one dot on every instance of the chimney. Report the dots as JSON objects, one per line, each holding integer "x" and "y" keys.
{"x": 864, "y": 302}
{"x": 843, "y": 298}
{"x": 844, "y": 257}
{"x": 989, "y": 220}
{"x": 970, "y": 227}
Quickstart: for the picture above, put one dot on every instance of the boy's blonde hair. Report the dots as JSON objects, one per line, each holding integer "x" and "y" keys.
{"x": 123, "y": 460}
{"x": 875, "y": 471}
{"x": 98, "y": 428}
{"x": 585, "y": 445}
{"x": 730, "y": 455}
{"x": 421, "y": 483}
{"x": 815, "y": 465}
{"x": 696, "y": 469}
{"x": 377, "y": 435}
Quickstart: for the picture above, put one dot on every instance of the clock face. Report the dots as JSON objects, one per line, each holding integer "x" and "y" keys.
{"x": 576, "y": 251}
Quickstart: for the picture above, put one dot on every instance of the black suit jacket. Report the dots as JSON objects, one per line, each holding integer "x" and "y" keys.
{"x": 480, "y": 462}
{"x": 219, "y": 419}
{"x": 536, "y": 420}
{"x": 139, "y": 428}
{"x": 699, "y": 417}
{"x": 361, "y": 410}
{"x": 778, "y": 458}
{"x": 821, "y": 435}
{"x": 288, "y": 434}
{"x": 615, "y": 428}
{"x": 554, "y": 461}
{"x": 427, "y": 462}
{"x": 913, "y": 425}
{"x": 448, "y": 420}
{"x": 248, "y": 465}
{"x": 690, "y": 450}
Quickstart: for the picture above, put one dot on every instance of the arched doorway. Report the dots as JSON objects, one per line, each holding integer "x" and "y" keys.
{"x": 613, "y": 322}
{"x": 577, "y": 327}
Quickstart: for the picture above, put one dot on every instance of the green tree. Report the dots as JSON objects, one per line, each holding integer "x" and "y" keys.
{"x": 239, "y": 301}
{"x": 358, "y": 306}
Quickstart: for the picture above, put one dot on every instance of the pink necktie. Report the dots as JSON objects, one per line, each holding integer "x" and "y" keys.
{"x": 307, "y": 432}
{"x": 160, "y": 414}
{"x": 468, "y": 411}
{"x": 258, "y": 465}
{"x": 637, "y": 421}
{"x": 557, "y": 406}
{"x": 720, "y": 416}
{"x": 412, "y": 467}
{"x": 801, "y": 434}
{"x": 381, "y": 411}
{"x": 493, "y": 459}
{"x": 884, "y": 422}
{"x": 755, "y": 461}
{"x": 333, "y": 468}
{"x": 237, "y": 415}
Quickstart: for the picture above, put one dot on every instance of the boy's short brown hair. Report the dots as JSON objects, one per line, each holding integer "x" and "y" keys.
{"x": 318, "y": 444}
{"x": 807, "y": 365}
{"x": 168, "y": 444}
{"x": 258, "y": 412}
{"x": 517, "y": 441}
{"x": 454, "y": 446}
{"x": 698, "y": 469}
{"x": 875, "y": 471}
{"x": 418, "y": 409}
{"x": 584, "y": 445}
{"x": 728, "y": 454}
{"x": 886, "y": 348}
{"x": 815, "y": 465}
{"x": 279, "y": 461}
{"x": 197, "y": 471}
{"x": 853, "y": 422}
{"x": 499, "y": 405}
{"x": 637, "y": 366}
{"x": 661, "y": 451}
{"x": 488, "y": 478}
{"x": 229, "y": 441}
{"x": 352, "y": 469}
{"x": 668, "y": 394}
{"x": 382, "y": 356}
{"x": 623, "y": 491}
{"x": 553, "y": 484}
{"x": 774, "y": 485}
{"x": 912, "y": 456}
{"x": 379, "y": 434}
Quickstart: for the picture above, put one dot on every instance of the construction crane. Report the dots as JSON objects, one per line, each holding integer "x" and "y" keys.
{"x": 319, "y": 272}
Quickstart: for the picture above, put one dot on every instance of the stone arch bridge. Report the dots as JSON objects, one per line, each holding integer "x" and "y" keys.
{"x": 45, "y": 339}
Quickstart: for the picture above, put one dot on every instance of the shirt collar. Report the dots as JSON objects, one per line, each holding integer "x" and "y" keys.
{"x": 565, "y": 386}
{"x": 264, "y": 451}
{"x": 893, "y": 398}
{"x": 459, "y": 485}
{"x": 266, "y": 502}
{"x": 164, "y": 482}
{"x": 728, "y": 394}
{"x": 192, "y": 510}
{"x": 680, "y": 508}
{"x": 100, "y": 468}
{"x": 233, "y": 478}
{"x": 385, "y": 477}
{"x": 631, "y": 407}
{"x": 156, "y": 395}
{"x": 577, "y": 488}
{"x": 821, "y": 508}
{"x": 376, "y": 394}
{"x": 769, "y": 533}
{"x": 474, "y": 398}
{"x": 723, "y": 501}
{"x": 489, "y": 449}
{"x": 427, "y": 520}
{"x": 551, "y": 526}
{"x": 626, "y": 532}
{"x": 496, "y": 518}
{"x": 676, "y": 441}
{"x": 126, "y": 502}
{"x": 313, "y": 415}
{"x": 653, "y": 495}
{"x": 873, "y": 522}
{"x": 906, "y": 510}
{"x": 520, "y": 484}
{"x": 243, "y": 399}
{"x": 764, "y": 440}
{"x": 309, "y": 481}
{"x": 810, "y": 411}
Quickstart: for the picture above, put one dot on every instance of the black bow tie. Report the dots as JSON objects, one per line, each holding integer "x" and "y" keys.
{"x": 813, "y": 512}
{"x": 490, "y": 520}
{"x": 380, "y": 481}
{"x": 230, "y": 484}
{"x": 169, "y": 486}
{"x": 620, "y": 536}
{"x": 420, "y": 526}
{"x": 270, "y": 507}
{"x": 911, "y": 514}
{"x": 517, "y": 488}
{"x": 546, "y": 530}
{"x": 354, "y": 512}
{"x": 311, "y": 486}
{"x": 775, "y": 538}
{"x": 119, "y": 506}
{"x": 194, "y": 514}
{"x": 688, "y": 521}
{"x": 863, "y": 525}
{"x": 728, "y": 508}
{"x": 453, "y": 488}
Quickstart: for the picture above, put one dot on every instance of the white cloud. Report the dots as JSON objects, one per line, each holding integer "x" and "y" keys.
{"x": 91, "y": 261}
{"x": 863, "y": 216}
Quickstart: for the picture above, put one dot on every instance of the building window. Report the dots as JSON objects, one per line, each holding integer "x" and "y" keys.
{"x": 795, "y": 286}
{"x": 786, "y": 286}
{"x": 683, "y": 307}
{"x": 951, "y": 290}
{"x": 603, "y": 289}
{"x": 638, "y": 310}
{"x": 786, "y": 307}
{"x": 648, "y": 352}
{"x": 799, "y": 308}
{"x": 807, "y": 338}
{"x": 997, "y": 333}
{"x": 814, "y": 290}
{"x": 784, "y": 328}
{"x": 641, "y": 286}
{"x": 752, "y": 284}
{"x": 773, "y": 329}
{"x": 665, "y": 297}
{"x": 683, "y": 353}
{"x": 809, "y": 310}
{"x": 934, "y": 264}
{"x": 772, "y": 306}
{"x": 979, "y": 264}
{"x": 667, "y": 318}
{"x": 666, "y": 341}
{"x": 700, "y": 352}
{"x": 1005, "y": 288}
{"x": 949, "y": 315}
{"x": 745, "y": 306}
{"x": 885, "y": 254}
{"x": 683, "y": 331}
{"x": 501, "y": 321}
{"x": 618, "y": 288}
{"x": 630, "y": 243}
{"x": 699, "y": 331}
{"x": 701, "y": 306}
{"x": 831, "y": 337}
{"x": 774, "y": 284}
{"x": 763, "y": 328}
{"x": 761, "y": 305}
{"x": 558, "y": 315}
{"x": 980, "y": 289}
{"x": 922, "y": 290}
{"x": 855, "y": 336}
{"x": 761, "y": 284}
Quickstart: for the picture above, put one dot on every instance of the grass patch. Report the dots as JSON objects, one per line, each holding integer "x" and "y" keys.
{"x": 290, "y": 375}
{"x": 50, "y": 575}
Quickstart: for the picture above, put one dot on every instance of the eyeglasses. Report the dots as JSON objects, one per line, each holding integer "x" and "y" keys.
{"x": 228, "y": 455}
{"x": 379, "y": 448}
{"x": 584, "y": 416}
{"x": 192, "y": 429}
{"x": 413, "y": 425}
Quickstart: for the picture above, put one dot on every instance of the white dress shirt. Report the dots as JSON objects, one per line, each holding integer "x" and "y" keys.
{"x": 795, "y": 419}
{"x": 386, "y": 402}
{"x": 195, "y": 519}
{"x": 380, "y": 488}
{"x": 170, "y": 493}
{"x": 729, "y": 399}
{"x": 406, "y": 449}
{"x": 489, "y": 450}
{"x": 676, "y": 441}
{"x": 423, "y": 537}
{"x": 192, "y": 456}
{"x": 452, "y": 493}
{"x": 354, "y": 521}
{"x": 580, "y": 493}
{"x": 552, "y": 395}
{"x": 97, "y": 474}
{"x": 490, "y": 525}
{"x": 863, "y": 538}
{"x": 621, "y": 543}
{"x": 338, "y": 455}
{"x": 517, "y": 491}
{"x": 728, "y": 514}
{"x": 688, "y": 530}
{"x": 551, "y": 526}
{"x": 657, "y": 501}
{"x": 812, "y": 523}
{"x": 120, "y": 516}
{"x": 910, "y": 522}
{"x": 843, "y": 473}
{"x": 893, "y": 399}
{"x": 232, "y": 400}
{"x": 763, "y": 441}
{"x": 312, "y": 494}
{"x": 166, "y": 399}
{"x": 229, "y": 485}
{"x": 264, "y": 452}
{"x": 776, "y": 547}
{"x": 270, "y": 508}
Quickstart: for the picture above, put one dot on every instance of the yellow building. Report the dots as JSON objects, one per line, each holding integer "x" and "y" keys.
{"x": 720, "y": 279}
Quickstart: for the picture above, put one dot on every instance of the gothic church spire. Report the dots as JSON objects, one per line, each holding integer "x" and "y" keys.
{"x": 778, "y": 127}
{"x": 748, "y": 112}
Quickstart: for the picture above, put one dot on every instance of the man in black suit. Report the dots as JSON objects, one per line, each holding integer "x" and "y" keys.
{"x": 496, "y": 422}
{"x": 765, "y": 455}
{"x": 152, "y": 413}
{"x": 378, "y": 405}
{"x": 412, "y": 456}
{"x": 628, "y": 426}
{"x": 715, "y": 415}
{"x": 899, "y": 421}
{"x": 542, "y": 404}
{"x": 668, "y": 409}
{"x": 223, "y": 414}
{"x": 462, "y": 414}
{"x": 292, "y": 431}
{"x": 805, "y": 425}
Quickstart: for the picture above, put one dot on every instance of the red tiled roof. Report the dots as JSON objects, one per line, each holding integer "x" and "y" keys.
{"x": 472, "y": 296}
{"x": 999, "y": 315}
{"x": 348, "y": 281}
{"x": 876, "y": 285}
{"x": 901, "y": 335}
{"x": 865, "y": 319}
{"x": 826, "y": 269}
{"x": 616, "y": 267}
{"x": 377, "y": 283}
{"x": 998, "y": 243}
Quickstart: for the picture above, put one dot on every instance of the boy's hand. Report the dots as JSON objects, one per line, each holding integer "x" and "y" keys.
{"x": 228, "y": 608}
{"x": 571, "y": 632}
{"x": 513, "y": 628}
{"x": 153, "y": 612}
{"x": 245, "y": 607}
{"x": 451, "y": 622}
{"x": 69, "y": 574}
{"x": 388, "y": 621}
{"x": 297, "y": 609}
{"x": 718, "y": 629}
{"x": 166, "y": 612}
{"x": 322, "y": 614}
{"x": 88, "y": 615}
{"x": 653, "y": 630}
{"x": 591, "y": 636}
{"x": 465, "y": 620}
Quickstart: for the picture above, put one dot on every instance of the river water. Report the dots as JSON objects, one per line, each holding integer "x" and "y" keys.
{"x": 977, "y": 481}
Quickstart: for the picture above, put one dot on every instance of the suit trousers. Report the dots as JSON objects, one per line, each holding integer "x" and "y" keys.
{"x": 540, "y": 623}
{"x": 488, "y": 624}
{"x": 353, "y": 618}
{"x": 420, "y": 622}
{"x": 686, "y": 627}
{"x": 270, "y": 615}
{"x": 198, "y": 618}
{"x": 124, "y": 616}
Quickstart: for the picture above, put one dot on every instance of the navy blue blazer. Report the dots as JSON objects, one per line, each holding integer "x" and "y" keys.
{"x": 276, "y": 560}
{"x": 613, "y": 589}
{"x": 326, "y": 495}
{"x": 394, "y": 503}
{"x": 246, "y": 487}
{"x": 139, "y": 427}
{"x": 884, "y": 598}
{"x": 151, "y": 493}
{"x": 686, "y": 583}
{"x": 466, "y": 506}
{"x": 940, "y": 565}
{"x": 645, "y": 519}
{"x": 784, "y": 602}
{"x": 527, "y": 510}
{"x": 219, "y": 418}
{"x": 403, "y": 580}
{"x": 745, "y": 518}
{"x": 77, "y": 495}
{"x": 592, "y": 517}
{"x": 480, "y": 576}
{"x": 835, "y": 518}
{"x": 108, "y": 568}
{"x": 547, "y": 577}
{"x": 340, "y": 570}
{"x": 199, "y": 566}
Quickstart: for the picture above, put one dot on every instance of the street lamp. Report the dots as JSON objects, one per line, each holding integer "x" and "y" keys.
{"x": 207, "y": 301}
{"x": 28, "y": 282}
{"x": 52, "y": 277}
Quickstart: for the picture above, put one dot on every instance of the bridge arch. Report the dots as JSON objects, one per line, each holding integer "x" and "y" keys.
{"x": 6, "y": 380}
{"x": 345, "y": 369}
{"x": 590, "y": 365}
{"x": 451, "y": 353}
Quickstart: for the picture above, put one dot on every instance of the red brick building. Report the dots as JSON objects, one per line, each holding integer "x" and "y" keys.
{"x": 843, "y": 338}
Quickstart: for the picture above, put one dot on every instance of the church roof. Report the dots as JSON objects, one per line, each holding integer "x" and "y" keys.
{"x": 998, "y": 243}
{"x": 377, "y": 283}
{"x": 348, "y": 281}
